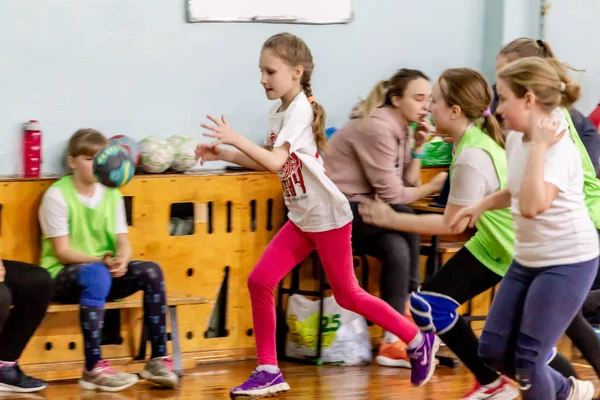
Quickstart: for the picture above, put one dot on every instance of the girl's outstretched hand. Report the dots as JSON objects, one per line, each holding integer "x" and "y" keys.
{"x": 221, "y": 131}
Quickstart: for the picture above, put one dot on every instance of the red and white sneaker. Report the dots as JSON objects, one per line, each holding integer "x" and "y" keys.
{"x": 501, "y": 389}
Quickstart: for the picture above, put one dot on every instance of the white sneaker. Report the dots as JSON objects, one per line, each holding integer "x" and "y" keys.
{"x": 104, "y": 377}
{"x": 160, "y": 371}
{"x": 500, "y": 389}
{"x": 581, "y": 390}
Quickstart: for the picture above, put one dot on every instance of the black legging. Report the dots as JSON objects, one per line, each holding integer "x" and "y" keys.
{"x": 398, "y": 253}
{"x": 462, "y": 278}
{"x": 29, "y": 289}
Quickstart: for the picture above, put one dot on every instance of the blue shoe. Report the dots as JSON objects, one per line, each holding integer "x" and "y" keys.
{"x": 12, "y": 379}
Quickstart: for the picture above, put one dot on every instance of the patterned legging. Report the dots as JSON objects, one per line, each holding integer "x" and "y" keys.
{"x": 91, "y": 285}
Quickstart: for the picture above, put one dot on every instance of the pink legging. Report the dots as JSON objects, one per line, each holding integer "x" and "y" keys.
{"x": 288, "y": 248}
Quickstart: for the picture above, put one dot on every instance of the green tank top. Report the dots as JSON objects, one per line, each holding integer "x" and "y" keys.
{"x": 92, "y": 231}
{"x": 591, "y": 184}
{"x": 493, "y": 244}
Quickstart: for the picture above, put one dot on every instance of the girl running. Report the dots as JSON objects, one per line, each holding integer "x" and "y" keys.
{"x": 319, "y": 214}
{"x": 556, "y": 249}
{"x": 585, "y": 136}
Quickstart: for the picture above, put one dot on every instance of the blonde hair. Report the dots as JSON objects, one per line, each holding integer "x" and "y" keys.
{"x": 383, "y": 92}
{"x": 526, "y": 47}
{"x": 295, "y": 52}
{"x": 86, "y": 142}
{"x": 470, "y": 90}
{"x": 546, "y": 78}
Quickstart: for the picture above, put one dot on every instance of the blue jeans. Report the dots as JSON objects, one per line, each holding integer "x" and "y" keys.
{"x": 530, "y": 312}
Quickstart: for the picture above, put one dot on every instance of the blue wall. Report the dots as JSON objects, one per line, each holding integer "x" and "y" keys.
{"x": 137, "y": 67}
{"x": 572, "y": 30}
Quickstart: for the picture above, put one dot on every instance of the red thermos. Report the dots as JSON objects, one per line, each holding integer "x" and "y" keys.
{"x": 32, "y": 149}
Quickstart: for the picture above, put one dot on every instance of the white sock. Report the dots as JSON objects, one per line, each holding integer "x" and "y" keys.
{"x": 389, "y": 337}
{"x": 416, "y": 342}
{"x": 273, "y": 369}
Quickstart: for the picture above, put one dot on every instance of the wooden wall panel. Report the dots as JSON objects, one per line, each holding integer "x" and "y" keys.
{"x": 247, "y": 211}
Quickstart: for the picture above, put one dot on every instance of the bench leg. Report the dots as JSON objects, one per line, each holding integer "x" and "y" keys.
{"x": 177, "y": 362}
{"x": 143, "y": 341}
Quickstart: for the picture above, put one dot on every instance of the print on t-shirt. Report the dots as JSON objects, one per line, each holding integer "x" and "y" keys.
{"x": 290, "y": 175}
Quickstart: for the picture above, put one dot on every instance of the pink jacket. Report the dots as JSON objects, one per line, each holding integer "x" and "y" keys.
{"x": 369, "y": 156}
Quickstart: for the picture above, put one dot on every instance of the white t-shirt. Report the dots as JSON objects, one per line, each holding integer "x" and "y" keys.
{"x": 473, "y": 177}
{"x": 54, "y": 212}
{"x": 314, "y": 202}
{"x": 564, "y": 233}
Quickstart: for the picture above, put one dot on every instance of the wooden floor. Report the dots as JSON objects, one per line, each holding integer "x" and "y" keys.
{"x": 213, "y": 381}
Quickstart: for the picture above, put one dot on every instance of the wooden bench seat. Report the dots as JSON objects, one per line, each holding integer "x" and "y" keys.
{"x": 446, "y": 246}
{"x": 117, "y": 305}
{"x": 437, "y": 253}
{"x": 172, "y": 303}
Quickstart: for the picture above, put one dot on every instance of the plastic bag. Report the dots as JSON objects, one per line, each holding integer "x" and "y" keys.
{"x": 345, "y": 337}
{"x": 437, "y": 153}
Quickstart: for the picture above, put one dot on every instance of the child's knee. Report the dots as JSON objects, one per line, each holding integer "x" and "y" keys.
{"x": 148, "y": 271}
{"x": 40, "y": 287}
{"x": 254, "y": 281}
{"x": 346, "y": 298}
{"x": 527, "y": 358}
{"x": 257, "y": 281}
{"x": 42, "y": 284}
{"x": 96, "y": 281}
{"x": 492, "y": 350}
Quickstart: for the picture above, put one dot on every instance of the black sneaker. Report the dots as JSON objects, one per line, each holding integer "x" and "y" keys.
{"x": 12, "y": 379}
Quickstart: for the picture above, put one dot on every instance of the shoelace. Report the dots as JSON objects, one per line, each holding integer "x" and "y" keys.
{"x": 254, "y": 374}
{"x": 104, "y": 367}
{"x": 168, "y": 363}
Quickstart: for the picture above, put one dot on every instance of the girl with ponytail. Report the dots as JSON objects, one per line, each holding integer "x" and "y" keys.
{"x": 319, "y": 216}
{"x": 556, "y": 245}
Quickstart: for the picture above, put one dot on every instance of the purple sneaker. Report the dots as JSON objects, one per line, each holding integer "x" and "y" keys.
{"x": 261, "y": 384}
{"x": 422, "y": 359}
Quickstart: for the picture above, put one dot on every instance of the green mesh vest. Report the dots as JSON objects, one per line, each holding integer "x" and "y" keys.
{"x": 493, "y": 244}
{"x": 91, "y": 230}
{"x": 591, "y": 184}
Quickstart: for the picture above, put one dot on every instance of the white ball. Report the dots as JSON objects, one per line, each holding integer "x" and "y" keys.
{"x": 185, "y": 156}
{"x": 156, "y": 154}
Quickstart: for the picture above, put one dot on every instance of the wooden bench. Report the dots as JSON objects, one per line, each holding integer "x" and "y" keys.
{"x": 438, "y": 252}
{"x": 172, "y": 304}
